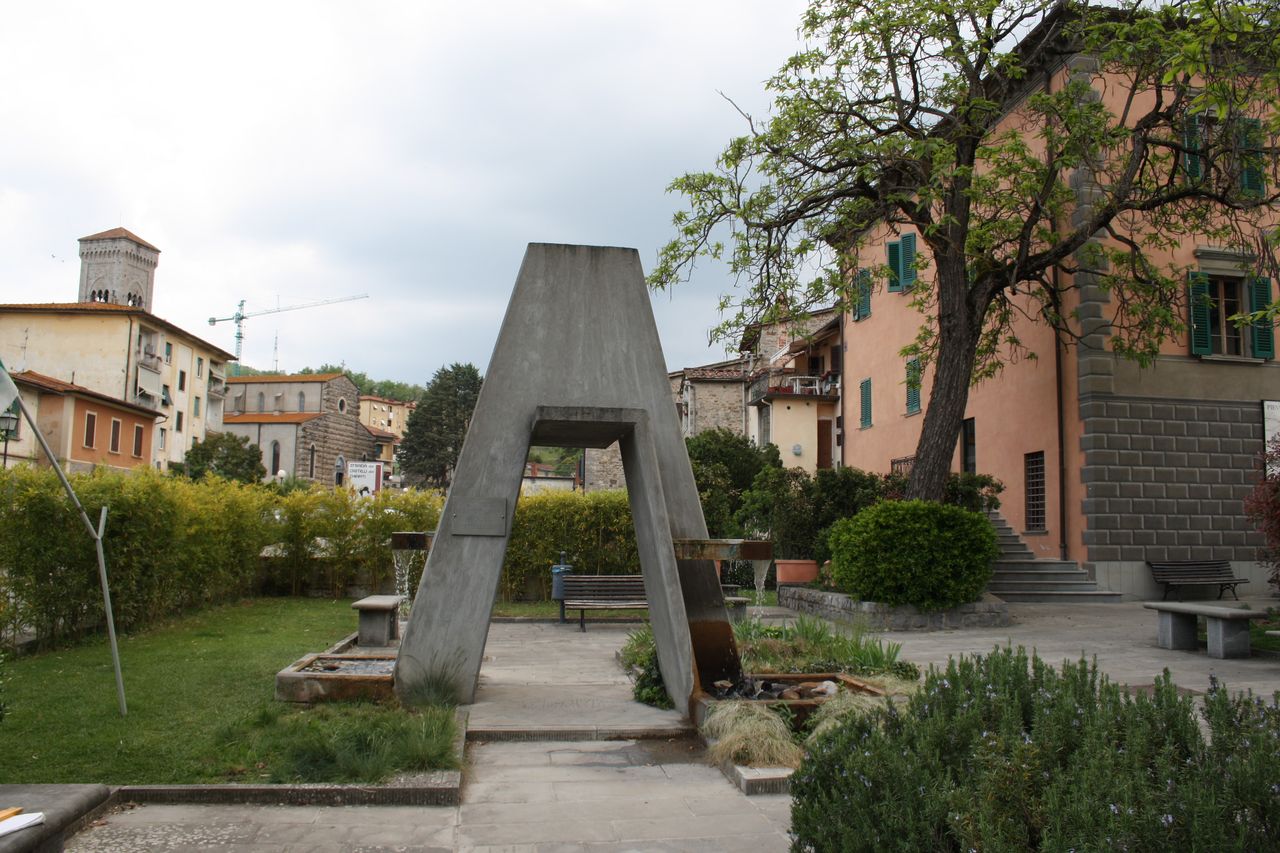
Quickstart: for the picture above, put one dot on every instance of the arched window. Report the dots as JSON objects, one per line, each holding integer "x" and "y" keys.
{"x": 342, "y": 405}
{"x": 302, "y": 402}
{"x": 262, "y": 402}
{"x": 311, "y": 463}
{"x": 339, "y": 471}
{"x": 275, "y": 458}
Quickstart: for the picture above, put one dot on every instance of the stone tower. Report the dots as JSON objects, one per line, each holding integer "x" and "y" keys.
{"x": 118, "y": 267}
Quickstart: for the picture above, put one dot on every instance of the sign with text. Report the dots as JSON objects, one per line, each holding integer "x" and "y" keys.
{"x": 365, "y": 477}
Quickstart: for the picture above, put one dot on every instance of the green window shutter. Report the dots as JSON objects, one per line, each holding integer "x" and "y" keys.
{"x": 864, "y": 398}
{"x": 1201, "y": 334}
{"x": 1191, "y": 141}
{"x": 1263, "y": 333}
{"x": 908, "y": 261}
{"x": 864, "y": 294}
{"x": 1249, "y": 140}
{"x": 913, "y": 386}
{"x": 895, "y": 267}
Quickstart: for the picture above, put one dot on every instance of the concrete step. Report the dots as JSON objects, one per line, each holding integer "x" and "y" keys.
{"x": 999, "y": 588}
{"x": 1044, "y": 576}
{"x": 1037, "y": 565}
{"x": 1095, "y": 597}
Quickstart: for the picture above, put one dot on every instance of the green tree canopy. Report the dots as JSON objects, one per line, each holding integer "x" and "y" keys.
{"x": 388, "y": 388}
{"x": 436, "y": 428}
{"x": 936, "y": 116}
{"x": 229, "y": 456}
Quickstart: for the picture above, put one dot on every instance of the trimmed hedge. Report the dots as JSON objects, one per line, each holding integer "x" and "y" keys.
{"x": 594, "y": 530}
{"x": 930, "y": 555}
{"x": 1003, "y": 752}
{"x": 172, "y": 544}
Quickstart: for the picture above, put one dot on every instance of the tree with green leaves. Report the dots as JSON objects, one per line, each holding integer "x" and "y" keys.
{"x": 229, "y": 456}
{"x": 436, "y": 428}
{"x": 948, "y": 118}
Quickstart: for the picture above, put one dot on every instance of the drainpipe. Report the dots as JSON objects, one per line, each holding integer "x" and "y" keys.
{"x": 128, "y": 355}
{"x": 1057, "y": 371}
{"x": 1062, "y": 444}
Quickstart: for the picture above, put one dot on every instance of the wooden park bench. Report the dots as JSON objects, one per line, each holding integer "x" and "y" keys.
{"x": 1182, "y": 573}
{"x": 602, "y": 592}
{"x": 379, "y": 619}
{"x": 1227, "y": 627}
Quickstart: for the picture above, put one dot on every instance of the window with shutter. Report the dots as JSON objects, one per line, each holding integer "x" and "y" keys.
{"x": 913, "y": 386}
{"x": 1262, "y": 333}
{"x": 863, "y": 279}
{"x": 1249, "y": 142}
{"x": 908, "y": 262}
{"x": 864, "y": 398}
{"x": 895, "y": 266}
{"x": 1191, "y": 143}
{"x": 1201, "y": 340}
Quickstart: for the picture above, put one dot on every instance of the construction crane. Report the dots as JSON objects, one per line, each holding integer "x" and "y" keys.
{"x": 240, "y": 316}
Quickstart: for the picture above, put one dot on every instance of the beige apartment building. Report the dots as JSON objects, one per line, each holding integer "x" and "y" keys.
{"x": 109, "y": 342}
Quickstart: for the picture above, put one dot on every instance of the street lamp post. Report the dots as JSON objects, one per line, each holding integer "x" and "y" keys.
{"x": 8, "y": 423}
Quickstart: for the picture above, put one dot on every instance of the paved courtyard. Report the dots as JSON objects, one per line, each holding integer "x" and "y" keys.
{"x": 630, "y": 794}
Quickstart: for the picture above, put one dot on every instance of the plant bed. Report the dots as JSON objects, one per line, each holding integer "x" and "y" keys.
{"x": 989, "y": 612}
{"x": 797, "y": 711}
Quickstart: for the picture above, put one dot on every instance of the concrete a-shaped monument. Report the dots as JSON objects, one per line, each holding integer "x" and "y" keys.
{"x": 577, "y": 364}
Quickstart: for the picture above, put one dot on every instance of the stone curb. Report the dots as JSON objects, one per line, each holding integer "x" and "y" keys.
{"x": 491, "y": 734}
{"x": 752, "y": 781}
{"x": 989, "y": 612}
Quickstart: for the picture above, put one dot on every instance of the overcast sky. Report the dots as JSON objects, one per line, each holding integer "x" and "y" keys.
{"x": 288, "y": 152}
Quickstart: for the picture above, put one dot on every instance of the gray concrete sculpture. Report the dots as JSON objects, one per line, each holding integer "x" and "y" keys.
{"x": 577, "y": 364}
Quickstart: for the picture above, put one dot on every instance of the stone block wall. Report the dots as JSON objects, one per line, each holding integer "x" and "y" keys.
{"x": 333, "y": 435}
{"x": 603, "y": 469}
{"x": 1166, "y": 479}
{"x": 719, "y": 405}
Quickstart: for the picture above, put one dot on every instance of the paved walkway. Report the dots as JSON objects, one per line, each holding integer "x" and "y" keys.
{"x": 544, "y": 795}
{"x": 603, "y": 795}
{"x": 1121, "y": 636}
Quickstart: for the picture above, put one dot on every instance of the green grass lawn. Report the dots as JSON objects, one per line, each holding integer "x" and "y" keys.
{"x": 201, "y": 707}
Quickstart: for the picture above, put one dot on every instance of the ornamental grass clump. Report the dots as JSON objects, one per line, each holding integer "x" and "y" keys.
{"x": 751, "y": 734}
{"x": 1003, "y": 752}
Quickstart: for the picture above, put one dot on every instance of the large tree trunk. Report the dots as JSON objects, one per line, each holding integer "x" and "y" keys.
{"x": 957, "y": 348}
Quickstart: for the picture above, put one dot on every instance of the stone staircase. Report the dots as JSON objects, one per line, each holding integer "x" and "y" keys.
{"x": 1019, "y": 576}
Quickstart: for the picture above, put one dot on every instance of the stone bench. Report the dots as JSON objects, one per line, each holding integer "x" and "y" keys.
{"x": 736, "y": 605}
{"x": 379, "y": 619}
{"x": 1227, "y": 627}
{"x": 64, "y": 808}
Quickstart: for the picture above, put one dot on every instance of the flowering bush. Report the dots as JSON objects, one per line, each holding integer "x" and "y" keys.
{"x": 1263, "y": 508}
{"x": 1002, "y": 752}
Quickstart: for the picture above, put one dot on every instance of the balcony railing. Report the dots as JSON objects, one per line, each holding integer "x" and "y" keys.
{"x": 150, "y": 361}
{"x": 776, "y": 383}
{"x": 142, "y": 398}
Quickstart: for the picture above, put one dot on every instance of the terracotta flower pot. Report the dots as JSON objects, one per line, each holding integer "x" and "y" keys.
{"x": 796, "y": 571}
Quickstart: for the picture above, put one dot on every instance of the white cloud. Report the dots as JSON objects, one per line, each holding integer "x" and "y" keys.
{"x": 299, "y": 151}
